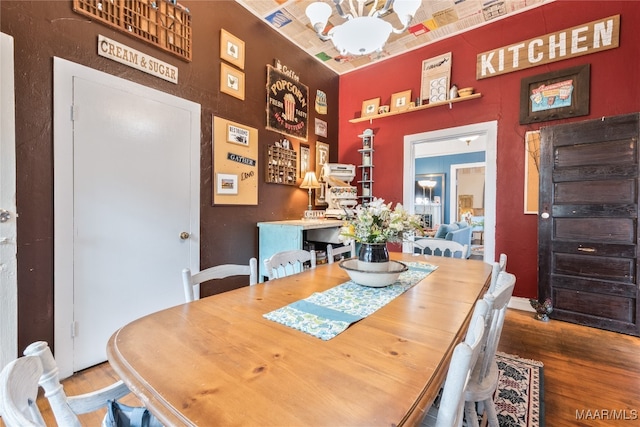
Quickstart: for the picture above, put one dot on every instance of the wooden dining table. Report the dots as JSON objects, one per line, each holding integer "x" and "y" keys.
{"x": 218, "y": 362}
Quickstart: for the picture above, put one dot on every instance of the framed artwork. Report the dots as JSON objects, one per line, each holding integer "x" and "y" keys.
{"x": 237, "y": 135}
{"x": 305, "y": 158}
{"x": 321, "y": 128}
{"x": 234, "y": 175}
{"x": 287, "y": 104}
{"x": 436, "y": 78}
{"x": 370, "y": 107}
{"x": 231, "y": 81}
{"x": 226, "y": 183}
{"x": 322, "y": 157}
{"x": 531, "y": 171}
{"x": 400, "y": 101}
{"x": 231, "y": 49}
{"x": 555, "y": 95}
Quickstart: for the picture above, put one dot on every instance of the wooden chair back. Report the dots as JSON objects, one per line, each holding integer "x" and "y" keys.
{"x": 191, "y": 282}
{"x": 441, "y": 247}
{"x": 348, "y": 251}
{"x": 19, "y": 391}
{"x": 286, "y": 263}
{"x": 450, "y": 410}
{"x": 65, "y": 409}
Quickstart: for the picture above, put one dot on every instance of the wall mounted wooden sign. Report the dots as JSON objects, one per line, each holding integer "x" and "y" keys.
{"x": 287, "y": 104}
{"x": 584, "y": 39}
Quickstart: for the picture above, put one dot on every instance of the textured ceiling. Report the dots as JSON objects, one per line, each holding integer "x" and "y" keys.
{"x": 434, "y": 20}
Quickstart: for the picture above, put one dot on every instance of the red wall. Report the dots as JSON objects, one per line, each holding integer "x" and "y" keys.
{"x": 615, "y": 89}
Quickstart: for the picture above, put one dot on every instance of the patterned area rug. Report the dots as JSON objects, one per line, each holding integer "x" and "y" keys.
{"x": 519, "y": 397}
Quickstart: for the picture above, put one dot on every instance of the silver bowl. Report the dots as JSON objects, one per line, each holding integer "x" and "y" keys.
{"x": 374, "y": 279}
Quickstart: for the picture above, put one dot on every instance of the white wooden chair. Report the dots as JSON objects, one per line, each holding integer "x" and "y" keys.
{"x": 441, "y": 247}
{"x": 349, "y": 249}
{"x": 286, "y": 263}
{"x": 19, "y": 385}
{"x": 449, "y": 411}
{"x": 503, "y": 262}
{"x": 498, "y": 267}
{"x": 484, "y": 379}
{"x": 191, "y": 282}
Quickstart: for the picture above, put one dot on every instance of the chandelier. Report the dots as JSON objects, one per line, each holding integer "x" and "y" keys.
{"x": 362, "y": 33}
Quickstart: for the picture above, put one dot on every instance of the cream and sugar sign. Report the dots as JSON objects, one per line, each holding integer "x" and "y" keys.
{"x": 133, "y": 58}
{"x": 585, "y": 39}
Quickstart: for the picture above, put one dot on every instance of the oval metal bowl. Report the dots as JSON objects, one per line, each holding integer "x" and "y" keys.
{"x": 374, "y": 279}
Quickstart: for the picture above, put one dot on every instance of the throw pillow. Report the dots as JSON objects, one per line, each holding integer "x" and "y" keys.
{"x": 442, "y": 231}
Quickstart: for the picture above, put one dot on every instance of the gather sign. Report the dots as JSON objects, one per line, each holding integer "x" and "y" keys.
{"x": 585, "y": 39}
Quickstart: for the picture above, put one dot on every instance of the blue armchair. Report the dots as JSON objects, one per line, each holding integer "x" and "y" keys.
{"x": 458, "y": 232}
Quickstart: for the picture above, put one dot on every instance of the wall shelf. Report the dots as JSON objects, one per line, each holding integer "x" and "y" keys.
{"x": 421, "y": 107}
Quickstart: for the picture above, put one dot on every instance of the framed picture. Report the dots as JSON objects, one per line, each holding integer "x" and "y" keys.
{"x": 231, "y": 49}
{"x": 305, "y": 158}
{"x": 231, "y": 81}
{"x": 531, "y": 171}
{"x": 226, "y": 183}
{"x": 370, "y": 107}
{"x": 237, "y": 135}
{"x": 400, "y": 101}
{"x": 555, "y": 95}
{"x": 321, "y": 128}
{"x": 436, "y": 75}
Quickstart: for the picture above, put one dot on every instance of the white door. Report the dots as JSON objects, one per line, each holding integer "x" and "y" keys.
{"x": 8, "y": 234}
{"x": 133, "y": 194}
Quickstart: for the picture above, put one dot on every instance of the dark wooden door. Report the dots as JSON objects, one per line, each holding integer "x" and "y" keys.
{"x": 588, "y": 222}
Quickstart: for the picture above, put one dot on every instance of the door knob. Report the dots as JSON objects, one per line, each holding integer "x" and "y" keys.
{"x": 545, "y": 215}
{"x": 184, "y": 235}
{"x": 4, "y": 215}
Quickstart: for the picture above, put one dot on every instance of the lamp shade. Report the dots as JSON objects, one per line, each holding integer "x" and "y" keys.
{"x": 428, "y": 183}
{"x": 405, "y": 9}
{"x": 318, "y": 13}
{"x": 310, "y": 181}
{"x": 361, "y": 36}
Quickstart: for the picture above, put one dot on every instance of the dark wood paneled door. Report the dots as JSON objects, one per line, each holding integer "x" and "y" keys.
{"x": 588, "y": 222}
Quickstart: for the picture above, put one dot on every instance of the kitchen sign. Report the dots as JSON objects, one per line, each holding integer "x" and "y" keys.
{"x": 134, "y": 58}
{"x": 592, "y": 37}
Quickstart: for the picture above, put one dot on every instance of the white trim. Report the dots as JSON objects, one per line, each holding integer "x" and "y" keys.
{"x": 519, "y": 303}
{"x": 488, "y": 132}
{"x": 63, "y": 74}
{"x": 8, "y": 230}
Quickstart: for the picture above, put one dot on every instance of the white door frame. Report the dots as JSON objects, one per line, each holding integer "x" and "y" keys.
{"x": 8, "y": 229}
{"x": 488, "y": 132}
{"x": 64, "y": 72}
{"x": 453, "y": 189}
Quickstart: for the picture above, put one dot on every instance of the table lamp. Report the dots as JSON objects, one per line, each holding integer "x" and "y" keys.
{"x": 310, "y": 181}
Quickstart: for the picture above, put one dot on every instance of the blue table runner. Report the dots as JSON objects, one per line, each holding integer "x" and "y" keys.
{"x": 327, "y": 314}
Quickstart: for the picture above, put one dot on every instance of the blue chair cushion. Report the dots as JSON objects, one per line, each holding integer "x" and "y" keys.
{"x": 444, "y": 229}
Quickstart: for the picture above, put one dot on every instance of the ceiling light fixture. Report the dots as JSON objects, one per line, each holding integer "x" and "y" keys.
{"x": 362, "y": 33}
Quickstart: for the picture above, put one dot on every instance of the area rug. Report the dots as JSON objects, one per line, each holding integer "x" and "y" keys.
{"x": 519, "y": 398}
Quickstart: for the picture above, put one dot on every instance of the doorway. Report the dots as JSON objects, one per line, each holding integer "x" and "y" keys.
{"x": 453, "y": 141}
{"x": 8, "y": 228}
{"x": 126, "y": 183}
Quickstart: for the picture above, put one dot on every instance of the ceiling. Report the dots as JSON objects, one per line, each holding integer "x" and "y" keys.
{"x": 434, "y": 20}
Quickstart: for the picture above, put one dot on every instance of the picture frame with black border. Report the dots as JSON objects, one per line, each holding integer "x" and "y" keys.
{"x": 555, "y": 95}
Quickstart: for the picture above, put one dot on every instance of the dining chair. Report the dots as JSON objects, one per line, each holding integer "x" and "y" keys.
{"x": 497, "y": 268}
{"x": 191, "y": 281}
{"x": 349, "y": 249}
{"x": 286, "y": 263}
{"x": 19, "y": 389}
{"x": 484, "y": 378}
{"x": 448, "y": 411}
{"x": 441, "y": 247}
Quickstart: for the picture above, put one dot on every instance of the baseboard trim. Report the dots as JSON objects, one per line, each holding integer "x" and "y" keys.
{"x": 520, "y": 303}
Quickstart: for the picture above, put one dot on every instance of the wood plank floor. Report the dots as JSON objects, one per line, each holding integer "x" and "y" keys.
{"x": 587, "y": 372}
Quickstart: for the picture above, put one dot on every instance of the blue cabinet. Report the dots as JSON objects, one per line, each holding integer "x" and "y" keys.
{"x": 278, "y": 236}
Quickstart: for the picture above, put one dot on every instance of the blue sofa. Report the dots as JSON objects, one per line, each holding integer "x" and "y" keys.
{"x": 458, "y": 232}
